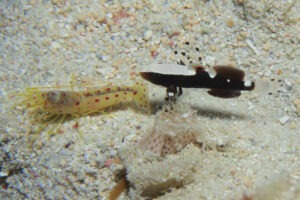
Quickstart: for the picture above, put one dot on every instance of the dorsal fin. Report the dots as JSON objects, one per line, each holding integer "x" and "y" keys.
{"x": 222, "y": 93}
{"x": 230, "y": 72}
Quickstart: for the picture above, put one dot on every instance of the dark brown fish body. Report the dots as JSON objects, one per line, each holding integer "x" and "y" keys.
{"x": 227, "y": 83}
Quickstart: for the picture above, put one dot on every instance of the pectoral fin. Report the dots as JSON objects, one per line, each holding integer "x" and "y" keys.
{"x": 224, "y": 93}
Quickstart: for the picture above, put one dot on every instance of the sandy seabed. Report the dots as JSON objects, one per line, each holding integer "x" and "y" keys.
{"x": 253, "y": 143}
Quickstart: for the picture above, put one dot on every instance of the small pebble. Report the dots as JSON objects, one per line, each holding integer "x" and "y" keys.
{"x": 283, "y": 120}
{"x": 268, "y": 73}
{"x": 213, "y": 48}
{"x": 129, "y": 137}
{"x": 3, "y": 174}
{"x": 102, "y": 57}
{"x": 210, "y": 60}
{"x": 230, "y": 23}
{"x": 113, "y": 153}
{"x": 251, "y": 106}
{"x": 147, "y": 35}
{"x": 288, "y": 84}
{"x": 55, "y": 45}
{"x": 109, "y": 15}
{"x": 297, "y": 104}
{"x": 139, "y": 40}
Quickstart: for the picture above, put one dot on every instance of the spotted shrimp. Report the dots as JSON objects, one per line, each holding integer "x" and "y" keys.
{"x": 50, "y": 104}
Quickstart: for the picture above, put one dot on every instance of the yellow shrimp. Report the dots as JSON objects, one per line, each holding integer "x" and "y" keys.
{"x": 54, "y": 105}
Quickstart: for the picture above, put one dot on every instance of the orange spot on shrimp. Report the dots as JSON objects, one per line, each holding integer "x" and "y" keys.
{"x": 135, "y": 92}
{"x": 116, "y": 95}
{"x": 77, "y": 103}
{"x": 97, "y": 100}
{"x": 107, "y": 89}
{"x": 106, "y": 98}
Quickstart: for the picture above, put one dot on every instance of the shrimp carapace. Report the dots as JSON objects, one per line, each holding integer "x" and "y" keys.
{"x": 52, "y": 104}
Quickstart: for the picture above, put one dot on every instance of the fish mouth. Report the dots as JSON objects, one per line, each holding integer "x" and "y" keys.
{"x": 150, "y": 76}
{"x": 145, "y": 75}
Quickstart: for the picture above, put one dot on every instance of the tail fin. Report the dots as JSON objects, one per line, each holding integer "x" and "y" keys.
{"x": 270, "y": 87}
{"x": 141, "y": 96}
{"x": 262, "y": 87}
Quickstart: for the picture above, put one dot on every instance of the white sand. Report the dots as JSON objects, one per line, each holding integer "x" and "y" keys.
{"x": 42, "y": 44}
